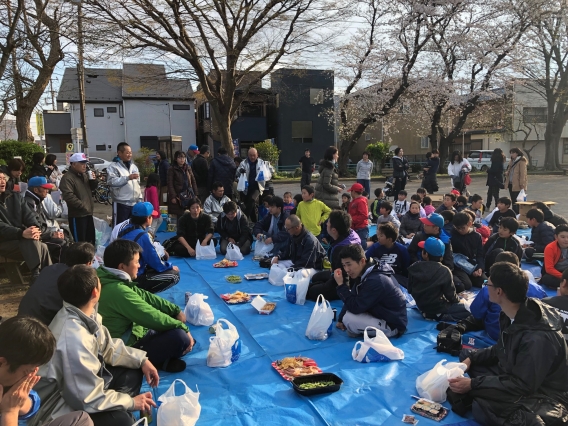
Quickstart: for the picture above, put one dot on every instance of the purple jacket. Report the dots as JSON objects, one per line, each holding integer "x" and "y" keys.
{"x": 335, "y": 249}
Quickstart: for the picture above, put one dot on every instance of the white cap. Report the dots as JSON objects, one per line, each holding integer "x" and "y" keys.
{"x": 78, "y": 157}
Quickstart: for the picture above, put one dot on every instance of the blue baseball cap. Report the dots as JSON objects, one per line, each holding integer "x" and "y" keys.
{"x": 40, "y": 181}
{"x": 193, "y": 148}
{"x": 434, "y": 219}
{"x": 144, "y": 209}
{"x": 433, "y": 246}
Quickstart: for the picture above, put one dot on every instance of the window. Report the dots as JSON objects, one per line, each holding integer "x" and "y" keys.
{"x": 111, "y": 110}
{"x": 121, "y": 111}
{"x": 99, "y": 112}
{"x": 179, "y": 107}
{"x": 94, "y": 160}
{"x": 367, "y": 137}
{"x": 100, "y": 147}
{"x": 302, "y": 131}
{"x": 565, "y": 148}
{"x": 535, "y": 115}
{"x": 316, "y": 96}
{"x": 424, "y": 142}
{"x": 251, "y": 110}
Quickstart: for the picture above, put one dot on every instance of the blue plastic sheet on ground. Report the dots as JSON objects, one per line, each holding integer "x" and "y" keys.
{"x": 251, "y": 392}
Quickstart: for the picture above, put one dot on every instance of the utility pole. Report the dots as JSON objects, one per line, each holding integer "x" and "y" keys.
{"x": 81, "y": 76}
{"x": 52, "y": 94}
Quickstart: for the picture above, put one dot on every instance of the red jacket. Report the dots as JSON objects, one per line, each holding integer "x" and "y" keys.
{"x": 359, "y": 211}
{"x": 552, "y": 255}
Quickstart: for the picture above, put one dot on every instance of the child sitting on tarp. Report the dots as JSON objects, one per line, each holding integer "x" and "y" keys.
{"x": 431, "y": 285}
{"x": 503, "y": 210}
{"x": 560, "y": 302}
{"x": 469, "y": 259}
{"x": 386, "y": 215}
{"x": 487, "y": 312}
{"x": 448, "y": 216}
{"x": 376, "y": 204}
{"x": 555, "y": 258}
{"x": 503, "y": 240}
{"x": 389, "y": 251}
{"x": 542, "y": 232}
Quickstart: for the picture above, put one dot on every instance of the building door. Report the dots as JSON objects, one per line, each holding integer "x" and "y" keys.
{"x": 564, "y": 151}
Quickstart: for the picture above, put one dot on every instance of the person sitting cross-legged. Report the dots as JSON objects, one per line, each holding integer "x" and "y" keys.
{"x": 560, "y": 302}
{"x": 154, "y": 274}
{"x": 232, "y": 226}
{"x": 467, "y": 245}
{"x": 431, "y": 285}
{"x": 141, "y": 319}
{"x": 42, "y": 300}
{"x": 555, "y": 258}
{"x": 90, "y": 370}
{"x": 25, "y": 344}
{"x": 522, "y": 378}
{"x": 503, "y": 240}
{"x": 372, "y": 298}
{"x": 213, "y": 205}
{"x": 304, "y": 249}
{"x": 542, "y": 232}
{"x": 388, "y": 250}
{"x": 193, "y": 227}
{"x": 272, "y": 226}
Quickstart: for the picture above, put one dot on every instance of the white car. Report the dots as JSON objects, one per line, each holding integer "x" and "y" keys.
{"x": 99, "y": 164}
{"x": 480, "y": 159}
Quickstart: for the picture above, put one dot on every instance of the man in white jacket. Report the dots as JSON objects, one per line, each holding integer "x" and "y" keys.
{"x": 123, "y": 178}
{"x": 213, "y": 205}
{"x": 89, "y": 370}
{"x": 250, "y": 167}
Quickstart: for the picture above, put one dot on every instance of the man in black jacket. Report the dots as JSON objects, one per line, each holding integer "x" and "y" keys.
{"x": 233, "y": 227}
{"x": 522, "y": 379}
{"x": 303, "y": 250}
{"x": 19, "y": 231}
{"x": 200, "y": 167}
{"x": 542, "y": 232}
{"x": 373, "y": 298}
{"x": 469, "y": 244}
{"x": 272, "y": 226}
{"x": 222, "y": 169}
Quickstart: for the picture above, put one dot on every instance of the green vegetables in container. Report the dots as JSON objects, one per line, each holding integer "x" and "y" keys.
{"x": 316, "y": 385}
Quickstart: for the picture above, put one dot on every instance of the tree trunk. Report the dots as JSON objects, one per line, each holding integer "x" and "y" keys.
{"x": 223, "y": 122}
{"x": 23, "y": 117}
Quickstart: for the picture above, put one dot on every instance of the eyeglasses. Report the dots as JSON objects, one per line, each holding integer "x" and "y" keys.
{"x": 488, "y": 285}
{"x": 288, "y": 229}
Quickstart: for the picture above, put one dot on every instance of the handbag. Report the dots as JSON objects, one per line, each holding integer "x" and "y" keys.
{"x": 186, "y": 194}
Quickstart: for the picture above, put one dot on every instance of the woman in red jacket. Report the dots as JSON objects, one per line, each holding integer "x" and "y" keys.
{"x": 359, "y": 211}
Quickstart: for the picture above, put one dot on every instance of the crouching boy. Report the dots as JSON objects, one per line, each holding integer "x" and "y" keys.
{"x": 373, "y": 299}
{"x": 432, "y": 287}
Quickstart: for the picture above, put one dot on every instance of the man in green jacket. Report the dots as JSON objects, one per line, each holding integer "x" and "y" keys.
{"x": 141, "y": 319}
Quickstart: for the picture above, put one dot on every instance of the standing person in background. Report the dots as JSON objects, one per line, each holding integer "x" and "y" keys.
{"x": 76, "y": 190}
{"x": 192, "y": 152}
{"x": 495, "y": 176}
{"x": 38, "y": 169}
{"x": 180, "y": 180}
{"x": 161, "y": 169}
{"x": 151, "y": 196}
{"x": 250, "y": 167}
{"x": 364, "y": 170}
{"x": 516, "y": 175}
{"x": 359, "y": 211}
{"x": 124, "y": 183}
{"x": 400, "y": 168}
{"x": 457, "y": 168}
{"x": 307, "y": 164}
{"x": 430, "y": 181}
{"x": 14, "y": 171}
{"x": 328, "y": 187}
{"x": 222, "y": 169}
{"x": 53, "y": 173}
{"x": 200, "y": 168}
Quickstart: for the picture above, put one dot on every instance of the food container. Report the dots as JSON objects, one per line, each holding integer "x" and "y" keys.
{"x": 233, "y": 279}
{"x": 323, "y": 377}
{"x": 259, "y": 303}
{"x": 164, "y": 210}
{"x": 259, "y": 276}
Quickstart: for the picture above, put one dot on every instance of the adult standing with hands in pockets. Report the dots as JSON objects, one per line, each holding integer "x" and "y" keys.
{"x": 400, "y": 168}
{"x": 328, "y": 187}
{"x": 124, "y": 182}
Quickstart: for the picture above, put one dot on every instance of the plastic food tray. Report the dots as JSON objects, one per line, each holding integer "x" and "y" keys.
{"x": 323, "y": 377}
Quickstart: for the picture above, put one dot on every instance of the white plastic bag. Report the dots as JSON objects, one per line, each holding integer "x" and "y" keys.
{"x": 296, "y": 285}
{"x": 320, "y": 321}
{"x": 103, "y": 231}
{"x": 242, "y": 185}
{"x": 160, "y": 250}
{"x": 197, "y": 311}
{"x": 142, "y": 422}
{"x": 179, "y": 410}
{"x": 490, "y": 215}
{"x": 263, "y": 249}
{"x": 233, "y": 252}
{"x": 522, "y": 195}
{"x": 376, "y": 349}
{"x": 225, "y": 346}
{"x": 277, "y": 274}
{"x": 205, "y": 252}
{"x": 263, "y": 174}
{"x": 64, "y": 210}
{"x": 434, "y": 383}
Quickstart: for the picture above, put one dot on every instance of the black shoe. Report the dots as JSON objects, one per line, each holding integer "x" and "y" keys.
{"x": 174, "y": 365}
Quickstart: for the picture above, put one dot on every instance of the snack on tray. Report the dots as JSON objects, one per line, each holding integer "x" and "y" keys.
{"x": 233, "y": 279}
{"x": 315, "y": 385}
{"x": 429, "y": 409}
{"x": 406, "y": 418}
{"x": 225, "y": 264}
{"x": 291, "y": 367}
{"x": 236, "y": 297}
{"x": 268, "y": 306}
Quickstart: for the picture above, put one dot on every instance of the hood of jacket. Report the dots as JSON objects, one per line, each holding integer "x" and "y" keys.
{"x": 533, "y": 315}
{"x": 352, "y": 238}
{"x": 377, "y": 265}
{"x": 224, "y": 160}
{"x": 326, "y": 164}
{"x": 110, "y": 276}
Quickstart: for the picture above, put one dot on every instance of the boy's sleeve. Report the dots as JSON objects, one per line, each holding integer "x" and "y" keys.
{"x": 480, "y": 304}
{"x": 371, "y": 251}
{"x": 36, "y": 403}
{"x": 325, "y": 212}
{"x": 449, "y": 289}
{"x": 404, "y": 259}
{"x": 549, "y": 264}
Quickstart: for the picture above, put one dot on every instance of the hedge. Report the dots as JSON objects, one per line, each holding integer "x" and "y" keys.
{"x": 10, "y": 149}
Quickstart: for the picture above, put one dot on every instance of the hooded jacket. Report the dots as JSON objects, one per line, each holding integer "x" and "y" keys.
{"x": 376, "y": 294}
{"x": 399, "y": 167}
{"x": 553, "y": 218}
{"x": 506, "y": 244}
{"x": 304, "y": 250}
{"x": 161, "y": 169}
{"x": 200, "y": 168}
{"x": 416, "y": 252}
{"x": 15, "y": 216}
{"x": 336, "y": 247}
{"x": 552, "y": 255}
{"x": 222, "y": 169}
{"x": 280, "y": 235}
{"x": 34, "y": 203}
{"x": 129, "y": 311}
{"x": 76, "y": 190}
{"x": 194, "y": 230}
{"x": 410, "y": 224}
{"x": 237, "y": 229}
{"x": 74, "y": 378}
{"x": 359, "y": 212}
{"x": 122, "y": 189}
{"x": 516, "y": 174}
{"x": 327, "y": 189}
{"x": 431, "y": 285}
{"x": 495, "y": 174}
{"x": 396, "y": 257}
{"x": 149, "y": 256}
{"x": 542, "y": 236}
{"x": 531, "y": 359}
{"x": 214, "y": 207}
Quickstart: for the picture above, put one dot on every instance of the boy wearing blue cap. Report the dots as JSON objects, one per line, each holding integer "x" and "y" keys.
{"x": 431, "y": 285}
{"x": 154, "y": 274}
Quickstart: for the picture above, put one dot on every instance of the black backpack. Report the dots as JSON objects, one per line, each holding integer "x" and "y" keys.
{"x": 449, "y": 340}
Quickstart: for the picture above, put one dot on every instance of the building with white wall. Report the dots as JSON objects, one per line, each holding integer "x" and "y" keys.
{"x": 136, "y": 104}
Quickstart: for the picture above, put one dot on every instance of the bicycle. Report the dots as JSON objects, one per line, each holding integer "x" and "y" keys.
{"x": 102, "y": 193}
